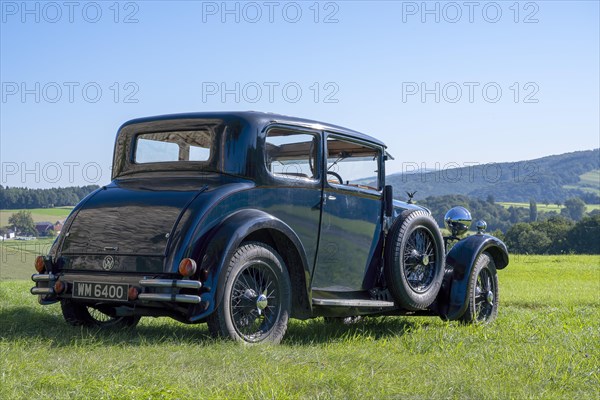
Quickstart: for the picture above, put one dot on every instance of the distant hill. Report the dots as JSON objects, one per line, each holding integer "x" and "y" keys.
{"x": 553, "y": 178}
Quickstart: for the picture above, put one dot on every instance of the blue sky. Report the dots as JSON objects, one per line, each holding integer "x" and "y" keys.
{"x": 453, "y": 83}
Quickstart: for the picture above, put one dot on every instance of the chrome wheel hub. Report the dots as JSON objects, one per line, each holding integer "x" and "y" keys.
{"x": 261, "y": 302}
{"x": 489, "y": 297}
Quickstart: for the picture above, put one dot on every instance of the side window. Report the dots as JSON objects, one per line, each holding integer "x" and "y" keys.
{"x": 292, "y": 155}
{"x": 353, "y": 164}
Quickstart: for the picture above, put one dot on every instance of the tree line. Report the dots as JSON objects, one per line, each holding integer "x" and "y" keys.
{"x": 17, "y": 197}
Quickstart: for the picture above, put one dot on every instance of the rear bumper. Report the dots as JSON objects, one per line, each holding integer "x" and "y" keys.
{"x": 147, "y": 290}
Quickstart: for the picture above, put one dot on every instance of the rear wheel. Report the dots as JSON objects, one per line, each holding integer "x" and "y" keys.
{"x": 256, "y": 299}
{"x": 483, "y": 292}
{"x": 81, "y": 315}
{"x": 415, "y": 260}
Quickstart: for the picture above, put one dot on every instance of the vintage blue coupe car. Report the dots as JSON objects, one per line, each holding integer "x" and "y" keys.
{"x": 243, "y": 220}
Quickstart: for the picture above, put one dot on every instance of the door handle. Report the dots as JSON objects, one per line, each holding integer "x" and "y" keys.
{"x": 331, "y": 197}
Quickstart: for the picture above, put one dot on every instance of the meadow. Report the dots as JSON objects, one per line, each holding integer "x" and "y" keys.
{"x": 38, "y": 214}
{"x": 544, "y": 344}
{"x": 546, "y": 208}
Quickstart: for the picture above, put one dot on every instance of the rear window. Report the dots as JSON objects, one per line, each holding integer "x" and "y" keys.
{"x": 173, "y": 146}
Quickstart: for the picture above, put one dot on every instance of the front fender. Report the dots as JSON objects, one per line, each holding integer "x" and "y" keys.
{"x": 452, "y": 301}
{"x": 227, "y": 236}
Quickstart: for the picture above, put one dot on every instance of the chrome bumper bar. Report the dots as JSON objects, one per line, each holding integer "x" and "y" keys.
{"x": 42, "y": 277}
{"x": 170, "y": 283}
{"x": 42, "y": 291}
{"x": 177, "y": 298}
{"x": 46, "y": 278}
{"x": 148, "y": 283}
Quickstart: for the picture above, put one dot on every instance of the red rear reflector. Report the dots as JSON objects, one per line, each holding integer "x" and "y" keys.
{"x": 59, "y": 287}
{"x": 40, "y": 265}
{"x": 187, "y": 267}
{"x": 132, "y": 294}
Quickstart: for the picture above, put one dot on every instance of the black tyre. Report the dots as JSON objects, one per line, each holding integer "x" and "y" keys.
{"x": 81, "y": 315}
{"x": 414, "y": 260}
{"x": 482, "y": 291}
{"x": 256, "y": 299}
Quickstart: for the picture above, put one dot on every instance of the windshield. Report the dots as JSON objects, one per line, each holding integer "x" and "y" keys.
{"x": 350, "y": 163}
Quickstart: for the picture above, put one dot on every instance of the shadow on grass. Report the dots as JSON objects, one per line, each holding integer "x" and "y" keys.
{"x": 24, "y": 323}
{"x": 368, "y": 328}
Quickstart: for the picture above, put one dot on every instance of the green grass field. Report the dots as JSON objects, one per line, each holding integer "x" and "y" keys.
{"x": 588, "y": 182}
{"x": 38, "y": 214}
{"x": 545, "y": 208}
{"x": 591, "y": 178}
{"x": 544, "y": 344}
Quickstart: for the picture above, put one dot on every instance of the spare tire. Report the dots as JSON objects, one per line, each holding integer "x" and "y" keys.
{"x": 414, "y": 260}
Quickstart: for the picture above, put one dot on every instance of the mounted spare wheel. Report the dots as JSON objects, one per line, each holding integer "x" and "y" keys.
{"x": 414, "y": 258}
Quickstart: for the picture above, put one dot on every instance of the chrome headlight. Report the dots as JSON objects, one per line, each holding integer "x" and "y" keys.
{"x": 458, "y": 220}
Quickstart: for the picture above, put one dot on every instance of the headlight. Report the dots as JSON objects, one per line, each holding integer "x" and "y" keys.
{"x": 458, "y": 220}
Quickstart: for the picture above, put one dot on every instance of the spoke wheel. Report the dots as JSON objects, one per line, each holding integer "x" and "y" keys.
{"x": 256, "y": 299}
{"x": 77, "y": 314}
{"x": 420, "y": 260}
{"x": 414, "y": 257}
{"x": 482, "y": 291}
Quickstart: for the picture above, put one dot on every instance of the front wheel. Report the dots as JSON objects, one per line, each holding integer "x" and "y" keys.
{"x": 482, "y": 291}
{"x": 256, "y": 299}
{"x": 81, "y": 315}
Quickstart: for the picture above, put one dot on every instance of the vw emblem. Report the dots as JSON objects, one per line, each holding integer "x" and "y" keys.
{"x": 108, "y": 263}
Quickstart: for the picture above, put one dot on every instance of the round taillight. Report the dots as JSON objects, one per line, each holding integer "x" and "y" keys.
{"x": 59, "y": 287}
{"x": 40, "y": 265}
{"x": 187, "y": 267}
{"x": 133, "y": 293}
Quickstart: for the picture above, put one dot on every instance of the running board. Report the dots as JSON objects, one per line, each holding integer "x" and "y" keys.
{"x": 353, "y": 303}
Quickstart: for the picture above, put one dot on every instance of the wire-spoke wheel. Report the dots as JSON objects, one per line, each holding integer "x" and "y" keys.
{"x": 256, "y": 299}
{"x": 482, "y": 291}
{"x": 77, "y": 314}
{"x": 414, "y": 260}
{"x": 419, "y": 260}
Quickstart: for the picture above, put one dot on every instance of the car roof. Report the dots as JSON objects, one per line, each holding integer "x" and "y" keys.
{"x": 262, "y": 119}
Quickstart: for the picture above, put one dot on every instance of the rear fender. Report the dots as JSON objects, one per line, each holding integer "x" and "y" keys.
{"x": 227, "y": 237}
{"x": 460, "y": 261}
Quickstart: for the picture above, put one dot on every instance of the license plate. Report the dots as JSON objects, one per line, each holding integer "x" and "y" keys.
{"x": 102, "y": 291}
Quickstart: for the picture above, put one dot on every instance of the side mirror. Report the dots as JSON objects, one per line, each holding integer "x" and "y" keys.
{"x": 388, "y": 198}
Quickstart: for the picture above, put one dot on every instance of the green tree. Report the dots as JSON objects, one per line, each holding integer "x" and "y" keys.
{"x": 556, "y": 229}
{"x": 534, "y": 242}
{"x": 583, "y": 238}
{"x": 23, "y": 223}
{"x": 574, "y": 208}
{"x": 533, "y": 212}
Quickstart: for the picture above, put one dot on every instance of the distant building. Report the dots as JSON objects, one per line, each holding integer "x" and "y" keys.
{"x": 8, "y": 234}
{"x": 43, "y": 228}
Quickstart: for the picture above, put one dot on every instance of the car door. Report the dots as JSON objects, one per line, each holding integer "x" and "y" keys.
{"x": 351, "y": 216}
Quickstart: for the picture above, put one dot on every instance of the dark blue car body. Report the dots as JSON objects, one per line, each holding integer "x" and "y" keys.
{"x": 330, "y": 237}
